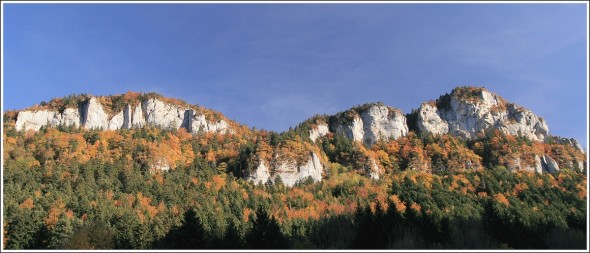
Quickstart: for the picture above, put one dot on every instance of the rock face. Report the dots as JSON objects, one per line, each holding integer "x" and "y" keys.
{"x": 569, "y": 141}
{"x": 260, "y": 175}
{"x": 580, "y": 166}
{"x": 318, "y": 131}
{"x": 93, "y": 115}
{"x": 137, "y": 118}
{"x": 118, "y": 121}
{"x": 549, "y": 165}
{"x": 36, "y": 119}
{"x": 518, "y": 165}
{"x": 430, "y": 120}
{"x": 160, "y": 114}
{"x": 470, "y": 116}
{"x": 290, "y": 173}
{"x": 70, "y": 117}
{"x": 198, "y": 123}
{"x": 288, "y": 170}
{"x": 374, "y": 170}
{"x": 373, "y": 123}
{"x": 538, "y": 167}
{"x": 152, "y": 112}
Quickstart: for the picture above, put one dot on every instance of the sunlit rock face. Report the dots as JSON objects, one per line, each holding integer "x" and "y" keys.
{"x": 291, "y": 173}
{"x": 549, "y": 164}
{"x": 472, "y": 116}
{"x": 151, "y": 112}
{"x": 160, "y": 114}
{"x": 372, "y": 124}
{"x": 318, "y": 131}
{"x": 430, "y": 121}
{"x": 288, "y": 170}
{"x": 36, "y": 119}
{"x": 260, "y": 175}
{"x": 197, "y": 123}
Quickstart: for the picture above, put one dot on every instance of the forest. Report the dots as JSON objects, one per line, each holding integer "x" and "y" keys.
{"x": 71, "y": 188}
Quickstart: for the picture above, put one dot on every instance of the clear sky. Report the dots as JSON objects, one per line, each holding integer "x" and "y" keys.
{"x": 271, "y": 66}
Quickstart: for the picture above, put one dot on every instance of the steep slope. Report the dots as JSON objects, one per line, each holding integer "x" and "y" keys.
{"x": 468, "y": 113}
{"x": 146, "y": 171}
{"x": 459, "y": 131}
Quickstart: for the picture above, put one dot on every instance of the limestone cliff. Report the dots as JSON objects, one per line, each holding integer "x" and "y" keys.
{"x": 160, "y": 114}
{"x": 369, "y": 123}
{"x": 260, "y": 175}
{"x": 472, "y": 112}
{"x": 318, "y": 131}
{"x": 542, "y": 164}
{"x": 288, "y": 169}
{"x": 38, "y": 118}
{"x": 92, "y": 114}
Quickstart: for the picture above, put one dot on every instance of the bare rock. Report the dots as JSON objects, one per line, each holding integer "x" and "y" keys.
{"x": 371, "y": 124}
{"x": 318, "y": 131}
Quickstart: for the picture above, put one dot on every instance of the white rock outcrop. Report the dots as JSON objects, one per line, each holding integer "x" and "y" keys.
{"x": 519, "y": 165}
{"x": 137, "y": 117}
{"x": 152, "y": 112}
{"x": 197, "y": 123}
{"x": 36, "y": 119}
{"x": 352, "y": 130}
{"x": 430, "y": 120}
{"x": 290, "y": 173}
{"x": 542, "y": 164}
{"x": 580, "y": 166}
{"x": 471, "y": 119}
{"x": 318, "y": 131}
{"x": 538, "y": 167}
{"x": 94, "y": 116}
{"x": 260, "y": 175}
{"x": 160, "y": 114}
{"x": 70, "y": 117}
{"x": 522, "y": 122}
{"x": 288, "y": 170}
{"x": 374, "y": 170}
{"x": 549, "y": 164}
{"x": 118, "y": 121}
{"x": 375, "y": 123}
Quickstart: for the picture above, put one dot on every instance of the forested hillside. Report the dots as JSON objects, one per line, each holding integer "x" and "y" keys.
{"x": 153, "y": 187}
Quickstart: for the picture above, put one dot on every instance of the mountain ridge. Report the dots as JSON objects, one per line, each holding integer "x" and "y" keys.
{"x": 117, "y": 102}
{"x": 467, "y": 114}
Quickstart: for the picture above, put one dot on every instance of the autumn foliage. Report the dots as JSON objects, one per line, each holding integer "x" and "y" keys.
{"x": 60, "y": 183}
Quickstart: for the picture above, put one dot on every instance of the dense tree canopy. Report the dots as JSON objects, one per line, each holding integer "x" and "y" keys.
{"x": 86, "y": 189}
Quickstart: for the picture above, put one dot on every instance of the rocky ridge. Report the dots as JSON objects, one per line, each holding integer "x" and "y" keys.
{"x": 91, "y": 114}
{"x": 467, "y": 112}
{"x": 471, "y": 112}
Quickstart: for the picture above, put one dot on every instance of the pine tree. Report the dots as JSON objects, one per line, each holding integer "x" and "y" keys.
{"x": 266, "y": 233}
{"x": 190, "y": 235}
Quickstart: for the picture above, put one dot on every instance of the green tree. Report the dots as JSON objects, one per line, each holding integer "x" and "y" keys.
{"x": 93, "y": 235}
{"x": 266, "y": 233}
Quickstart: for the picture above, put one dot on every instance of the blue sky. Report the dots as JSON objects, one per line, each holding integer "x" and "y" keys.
{"x": 272, "y": 66}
